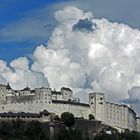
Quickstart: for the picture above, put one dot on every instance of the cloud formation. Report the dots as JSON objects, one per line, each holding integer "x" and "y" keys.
{"x": 104, "y": 58}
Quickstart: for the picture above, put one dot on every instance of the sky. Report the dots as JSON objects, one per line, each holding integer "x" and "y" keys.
{"x": 18, "y": 14}
{"x": 90, "y": 45}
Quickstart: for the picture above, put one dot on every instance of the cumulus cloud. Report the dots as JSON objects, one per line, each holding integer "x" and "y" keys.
{"x": 20, "y": 63}
{"x": 104, "y": 58}
{"x": 19, "y": 75}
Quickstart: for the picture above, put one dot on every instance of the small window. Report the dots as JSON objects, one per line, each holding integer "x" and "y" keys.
{"x": 101, "y": 103}
{"x": 101, "y": 98}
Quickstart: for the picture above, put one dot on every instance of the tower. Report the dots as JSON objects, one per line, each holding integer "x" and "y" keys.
{"x": 43, "y": 95}
{"x": 97, "y": 105}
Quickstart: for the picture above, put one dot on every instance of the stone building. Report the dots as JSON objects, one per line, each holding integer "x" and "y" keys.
{"x": 118, "y": 116}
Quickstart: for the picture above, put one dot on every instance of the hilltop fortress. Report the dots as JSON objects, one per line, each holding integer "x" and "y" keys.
{"x": 118, "y": 116}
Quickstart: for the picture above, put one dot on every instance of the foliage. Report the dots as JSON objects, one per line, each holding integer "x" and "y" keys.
{"x": 20, "y": 130}
{"x": 67, "y": 118}
{"x": 69, "y": 134}
{"x": 33, "y": 130}
{"x": 56, "y": 118}
{"x": 91, "y": 117}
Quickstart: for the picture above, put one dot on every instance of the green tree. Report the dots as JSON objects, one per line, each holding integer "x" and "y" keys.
{"x": 69, "y": 134}
{"x": 91, "y": 117}
{"x": 68, "y": 119}
{"x": 56, "y": 118}
{"x": 20, "y": 130}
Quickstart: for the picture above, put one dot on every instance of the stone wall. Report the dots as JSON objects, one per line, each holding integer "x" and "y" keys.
{"x": 57, "y": 108}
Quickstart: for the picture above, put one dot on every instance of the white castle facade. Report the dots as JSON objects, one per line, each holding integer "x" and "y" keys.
{"x": 118, "y": 116}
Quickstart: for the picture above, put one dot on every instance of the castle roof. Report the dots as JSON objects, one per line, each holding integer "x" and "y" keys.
{"x": 26, "y": 89}
{"x": 122, "y": 105}
{"x": 64, "y": 88}
{"x": 20, "y": 114}
{"x": 56, "y": 92}
{"x": 24, "y": 114}
{"x": 70, "y": 103}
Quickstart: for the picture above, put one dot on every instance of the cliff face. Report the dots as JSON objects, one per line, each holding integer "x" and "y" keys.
{"x": 89, "y": 128}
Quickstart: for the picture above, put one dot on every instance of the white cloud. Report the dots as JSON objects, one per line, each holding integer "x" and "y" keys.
{"x": 19, "y": 75}
{"x": 20, "y": 63}
{"x": 105, "y": 59}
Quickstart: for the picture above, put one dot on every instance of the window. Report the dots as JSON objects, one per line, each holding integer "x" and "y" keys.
{"x": 100, "y": 103}
{"x": 101, "y": 98}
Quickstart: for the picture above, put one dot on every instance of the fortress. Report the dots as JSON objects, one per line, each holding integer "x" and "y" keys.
{"x": 118, "y": 116}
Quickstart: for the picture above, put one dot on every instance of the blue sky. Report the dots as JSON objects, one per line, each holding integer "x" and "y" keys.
{"x": 12, "y": 11}
{"x": 24, "y": 24}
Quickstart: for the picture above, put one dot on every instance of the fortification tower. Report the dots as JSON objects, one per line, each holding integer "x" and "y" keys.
{"x": 97, "y": 104}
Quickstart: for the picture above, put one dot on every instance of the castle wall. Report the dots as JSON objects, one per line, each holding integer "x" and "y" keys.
{"x": 120, "y": 116}
{"x": 116, "y": 115}
{"x": 132, "y": 122}
{"x": 78, "y": 110}
{"x": 36, "y": 106}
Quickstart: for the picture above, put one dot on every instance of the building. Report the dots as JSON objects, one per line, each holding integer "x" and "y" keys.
{"x": 118, "y": 116}
{"x": 43, "y": 116}
{"x": 39, "y": 99}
